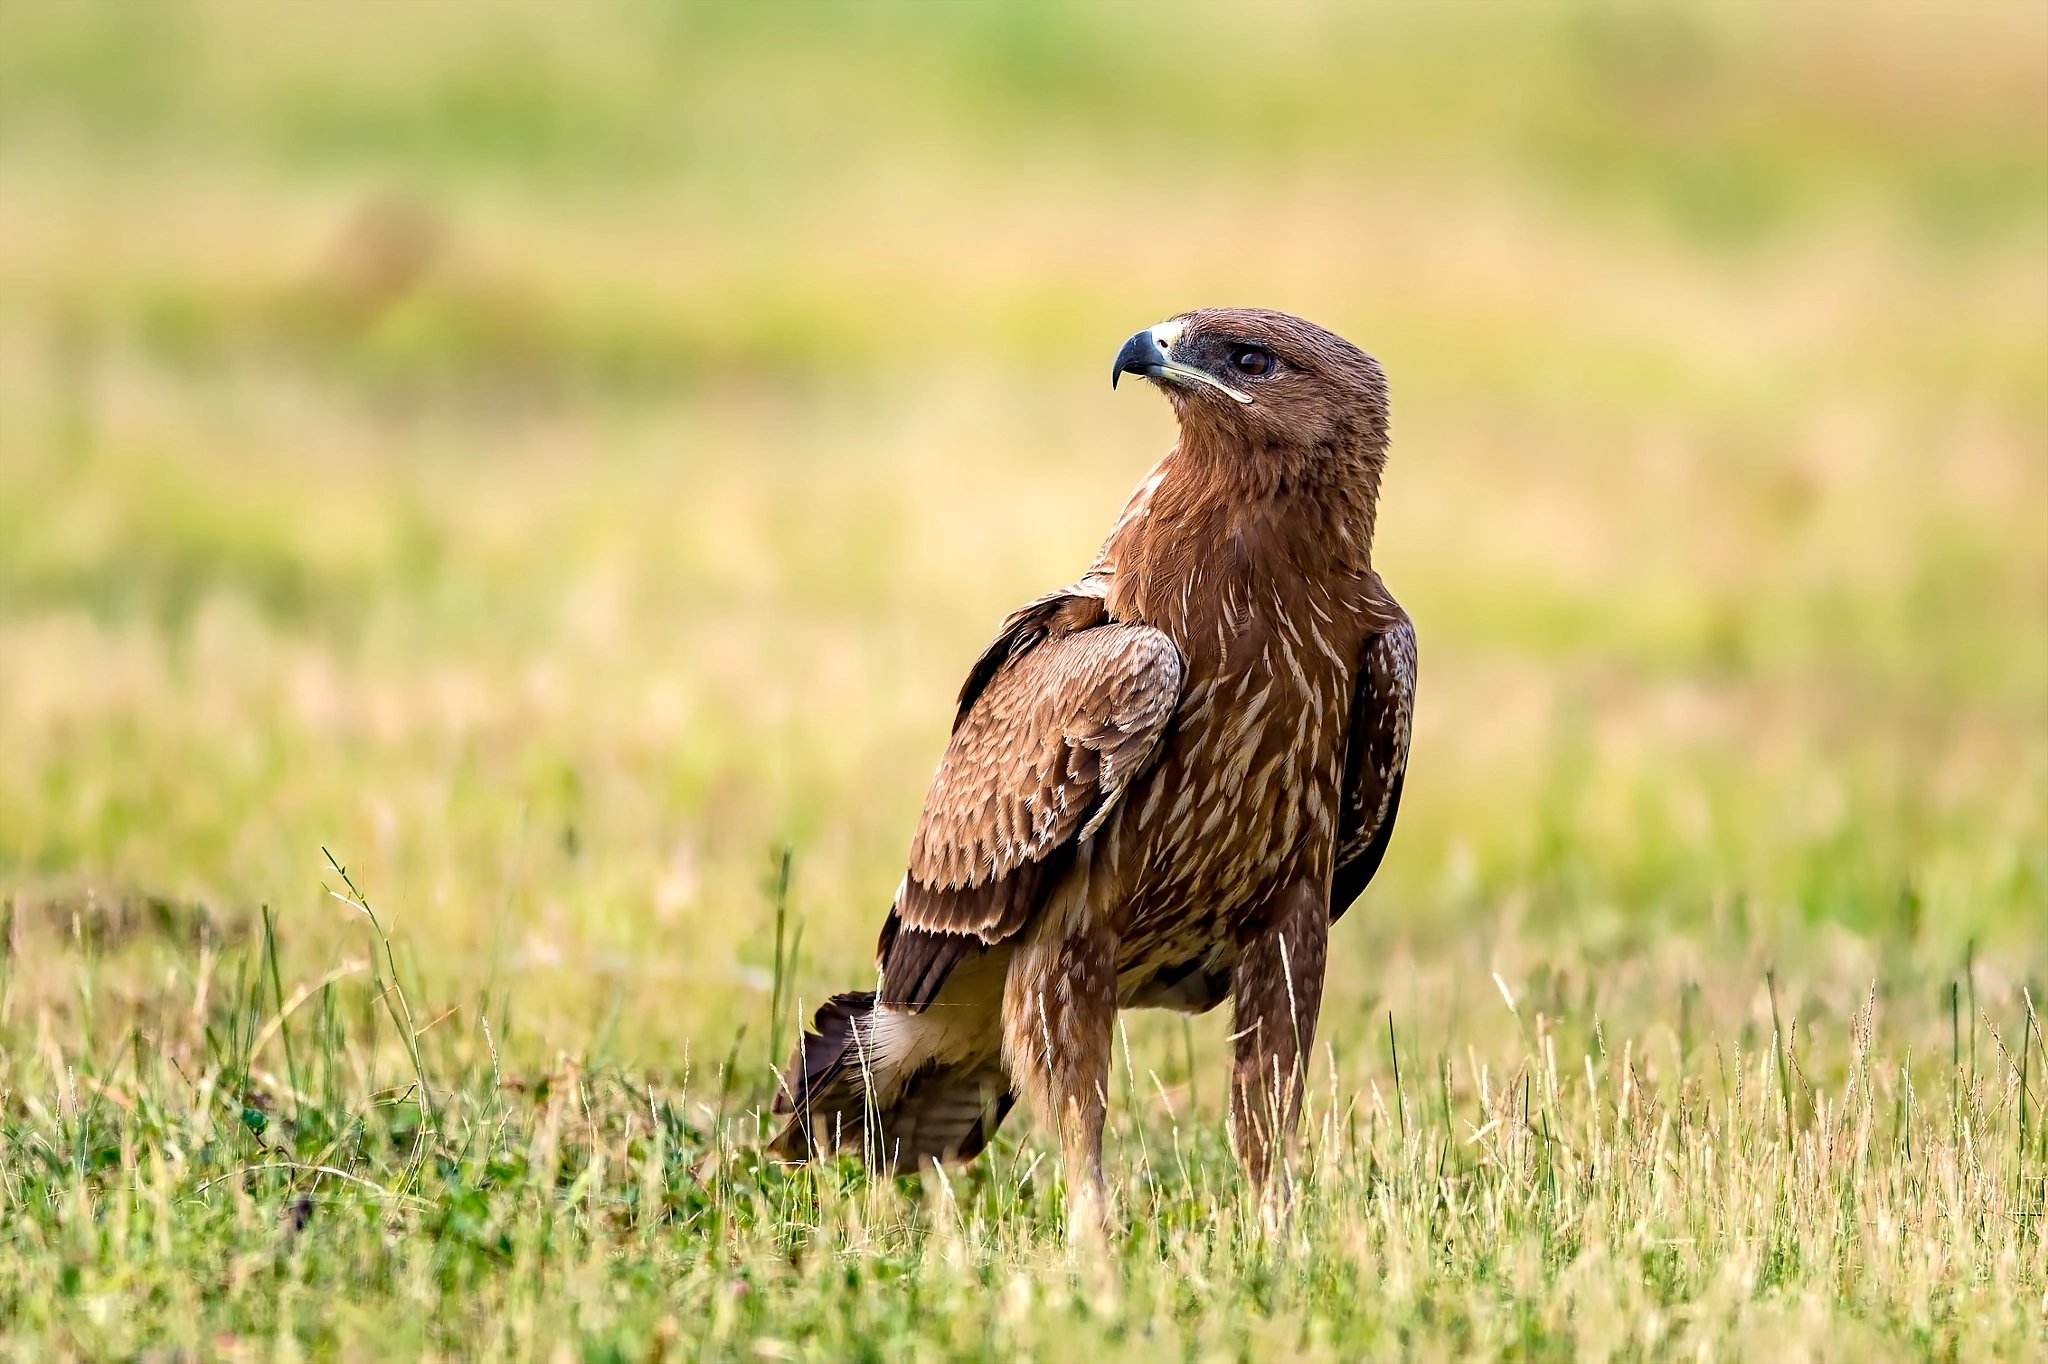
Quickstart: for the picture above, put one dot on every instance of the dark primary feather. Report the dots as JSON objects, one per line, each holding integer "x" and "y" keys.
{"x": 1354, "y": 876}
{"x": 1375, "y": 759}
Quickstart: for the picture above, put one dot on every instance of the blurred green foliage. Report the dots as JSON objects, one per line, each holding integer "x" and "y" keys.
{"x": 1730, "y": 121}
{"x": 1717, "y": 335}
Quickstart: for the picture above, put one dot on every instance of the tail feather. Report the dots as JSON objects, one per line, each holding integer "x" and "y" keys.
{"x": 887, "y": 1085}
{"x": 816, "y": 1074}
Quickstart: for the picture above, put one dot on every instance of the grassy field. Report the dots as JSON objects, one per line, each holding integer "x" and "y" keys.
{"x": 557, "y": 462}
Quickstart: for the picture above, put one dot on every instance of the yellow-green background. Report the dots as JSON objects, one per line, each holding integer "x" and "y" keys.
{"x": 553, "y": 455}
{"x": 556, "y": 454}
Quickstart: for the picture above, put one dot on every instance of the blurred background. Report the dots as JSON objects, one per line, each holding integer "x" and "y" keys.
{"x": 555, "y": 456}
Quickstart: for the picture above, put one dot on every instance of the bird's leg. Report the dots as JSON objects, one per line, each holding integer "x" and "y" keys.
{"x": 1278, "y": 991}
{"x": 1059, "y": 1014}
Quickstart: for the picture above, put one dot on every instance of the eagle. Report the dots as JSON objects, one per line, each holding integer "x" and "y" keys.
{"x": 1165, "y": 782}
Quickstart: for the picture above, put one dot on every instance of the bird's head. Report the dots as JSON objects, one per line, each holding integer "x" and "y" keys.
{"x": 1263, "y": 380}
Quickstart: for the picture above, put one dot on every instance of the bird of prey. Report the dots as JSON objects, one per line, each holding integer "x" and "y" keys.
{"x": 1165, "y": 781}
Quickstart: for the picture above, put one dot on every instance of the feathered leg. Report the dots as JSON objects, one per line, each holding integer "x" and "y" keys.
{"x": 1059, "y": 1014}
{"x": 1278, "y": 993}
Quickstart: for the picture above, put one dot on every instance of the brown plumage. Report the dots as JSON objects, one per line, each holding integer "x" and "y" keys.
{"x": 1165, "y": 780}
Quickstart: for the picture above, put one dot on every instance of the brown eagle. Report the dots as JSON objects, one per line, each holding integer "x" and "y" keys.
{"x": 1165, "y": 782}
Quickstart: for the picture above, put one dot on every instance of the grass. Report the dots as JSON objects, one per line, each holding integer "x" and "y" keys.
{"x": 564, "y": 465}
{"x": 331, "y": 1172}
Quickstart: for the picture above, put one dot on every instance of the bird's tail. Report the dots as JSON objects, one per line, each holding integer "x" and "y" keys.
{"x": 901, "y": 1089}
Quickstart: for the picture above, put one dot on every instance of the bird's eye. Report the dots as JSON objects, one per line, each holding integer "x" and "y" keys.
{"x": 1255, "y": 361}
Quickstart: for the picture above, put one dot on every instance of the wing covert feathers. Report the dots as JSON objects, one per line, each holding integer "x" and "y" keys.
{"x": 1043, "y": 755}
{"x": 1059, "y": 715}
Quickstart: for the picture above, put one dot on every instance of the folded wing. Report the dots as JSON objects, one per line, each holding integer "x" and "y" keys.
{"x": 1375, "y": 759}
{"x": 1062, "y": 711}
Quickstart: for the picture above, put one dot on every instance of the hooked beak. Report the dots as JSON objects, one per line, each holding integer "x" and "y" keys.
{"x": 1150, "y": 353}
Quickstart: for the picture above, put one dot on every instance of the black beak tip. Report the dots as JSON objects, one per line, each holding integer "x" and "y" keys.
{"x": 1140, "y": 355}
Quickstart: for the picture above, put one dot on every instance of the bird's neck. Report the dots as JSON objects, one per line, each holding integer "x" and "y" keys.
{"x": 1223, "y": 523}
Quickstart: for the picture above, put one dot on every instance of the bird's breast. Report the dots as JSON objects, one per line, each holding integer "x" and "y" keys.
{"x": 1243, "y": 799}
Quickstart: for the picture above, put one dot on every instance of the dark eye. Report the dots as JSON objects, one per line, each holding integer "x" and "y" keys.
{"x": 1252, "y": 360}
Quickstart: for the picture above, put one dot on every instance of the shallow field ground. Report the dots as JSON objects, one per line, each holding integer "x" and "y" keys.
{"x": 555, "y": 459}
